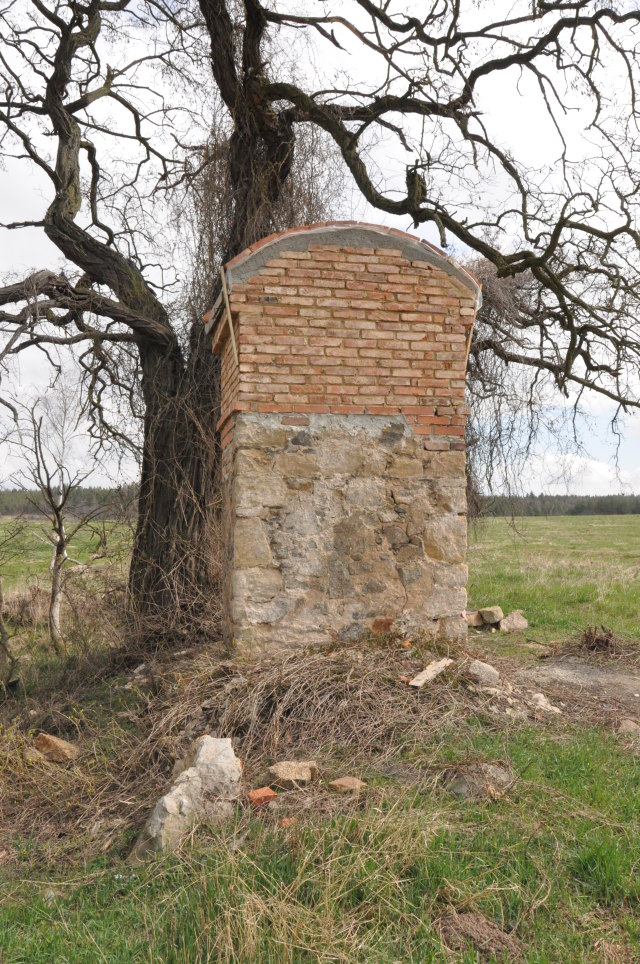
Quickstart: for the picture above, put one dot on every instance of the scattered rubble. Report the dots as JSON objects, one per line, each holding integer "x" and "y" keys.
{"x": 432, "y": 670}
{"x": 479, "y": 780}
{"x": 502, "y": 698}
{"x": 542, "y": 703}
{"x": 55, "y": 749}
{"x": 289, "y": 775}
{"x": 492, "y": 619}
{"x": 206, "y": 789}
{"x": 513, "y": 623}
{"x": 347, "y": 785}
{"x": 474, "y": 619}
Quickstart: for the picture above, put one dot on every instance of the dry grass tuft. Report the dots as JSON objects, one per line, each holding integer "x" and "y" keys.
{"x": 26, "y": 608}
{"x": 462, "y": 931}
{"x": 597, "y": 642}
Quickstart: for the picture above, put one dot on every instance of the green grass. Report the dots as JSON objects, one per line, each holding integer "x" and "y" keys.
{"x": 557, "y": 859}
{"x": 565, "y": 572}
{"x": 25, "y": 560}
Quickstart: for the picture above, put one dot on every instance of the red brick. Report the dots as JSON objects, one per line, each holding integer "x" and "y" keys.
{"x": 294, "y": 420}
{"x": 312, "y": 409}
{"x": 261, "y": 797}
{"x": 347, "y": 409}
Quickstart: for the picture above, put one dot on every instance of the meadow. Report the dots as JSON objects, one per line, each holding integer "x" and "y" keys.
{"x": 25, "y": 552}
{"x": 564, "y": 572}
{"x": 554, "y": 862}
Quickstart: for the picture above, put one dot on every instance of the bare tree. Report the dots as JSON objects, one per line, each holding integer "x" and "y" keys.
{"x": 106, "y": 124}
{"x": 47, "y": 431}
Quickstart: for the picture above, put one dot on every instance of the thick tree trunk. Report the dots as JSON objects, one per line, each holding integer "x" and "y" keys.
{"x": 175, "y": 564}
{"x": 176, "y": 561}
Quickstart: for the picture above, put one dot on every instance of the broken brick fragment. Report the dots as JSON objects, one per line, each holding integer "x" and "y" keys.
{"x": 261, "y": 797}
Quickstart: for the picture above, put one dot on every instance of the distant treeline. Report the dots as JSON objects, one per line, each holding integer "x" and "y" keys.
{"x": 560, "y": 505}
{"x": 108, "y": 503}
{"x": 111, "y": 503}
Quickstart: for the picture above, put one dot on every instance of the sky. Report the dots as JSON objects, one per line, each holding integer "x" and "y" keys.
{"x": 608, "y": 463}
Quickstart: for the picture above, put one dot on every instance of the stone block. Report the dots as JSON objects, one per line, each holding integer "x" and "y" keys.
{"x": 53, "y": 748}
{"x": 251, "y": 433}
{"x": 491, "y": 615}
{"x": 515, "y": 622}
{"x": 256, "y": 491}
{"x": 474, "y": 618}
{"x": 250, "y": 544}
{"x": 296, "y": 465}
{"x": 403, "y": 467}
{"x": 289, "y": 774}
{"x": 445, "y": 538}
{"x": 259, "y": 585}
{"x": 347, "y": 785}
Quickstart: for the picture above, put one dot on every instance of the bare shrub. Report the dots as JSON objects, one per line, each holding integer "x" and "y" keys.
{"x": 27, "y": 608}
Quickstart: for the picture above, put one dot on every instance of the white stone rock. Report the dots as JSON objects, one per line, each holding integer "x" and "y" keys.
{"x": 205, "y": 789}
{"x": 514, "y": 622}
{"x": 542, "y": 703}
{"x": 432, "y": 670}
{"x": 491, "y": 615}
{"x": 483, "y": 673}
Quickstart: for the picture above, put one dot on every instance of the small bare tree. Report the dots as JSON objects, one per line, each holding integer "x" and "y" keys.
{"x": 48, "y": 433}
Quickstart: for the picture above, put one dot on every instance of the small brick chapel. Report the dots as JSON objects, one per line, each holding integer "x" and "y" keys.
{"x": 343, "y": 349}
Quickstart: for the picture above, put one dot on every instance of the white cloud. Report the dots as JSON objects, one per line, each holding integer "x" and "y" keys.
{"x": 567, "y": 474}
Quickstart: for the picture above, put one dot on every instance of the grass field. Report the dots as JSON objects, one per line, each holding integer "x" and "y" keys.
{"x": 25, "y": 558}
{"x": 565, "y": 572}
{"x": 555, "y": 861}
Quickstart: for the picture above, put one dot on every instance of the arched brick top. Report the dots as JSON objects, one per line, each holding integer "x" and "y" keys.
{"x": 354, "y": 234}
{"x": 346, "y": 319}
{"x": 345, "y": 233}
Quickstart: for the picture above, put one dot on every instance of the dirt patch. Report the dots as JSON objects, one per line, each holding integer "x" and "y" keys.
{"x": 460, "y": 932}
{"x": 587, "y": 687}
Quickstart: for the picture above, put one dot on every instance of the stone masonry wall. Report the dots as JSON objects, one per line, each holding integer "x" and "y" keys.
{"x": 338, "y": 521}
{"x": 342, "y": 429}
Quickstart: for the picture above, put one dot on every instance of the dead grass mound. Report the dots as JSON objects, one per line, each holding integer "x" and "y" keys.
{"x": 460, "y": 932}
{"x": 347, "y": 705}
{"x": 318, "y": 702}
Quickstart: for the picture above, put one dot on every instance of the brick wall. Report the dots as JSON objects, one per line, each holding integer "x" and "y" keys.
{"x": 350, "y": 330}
